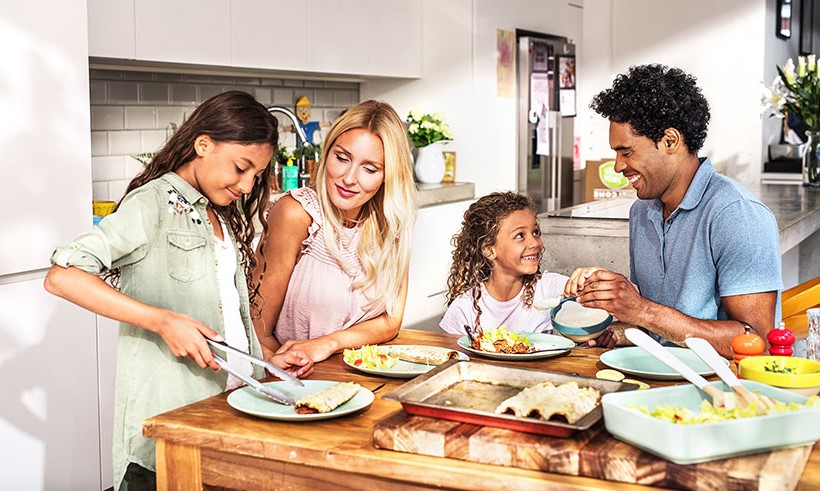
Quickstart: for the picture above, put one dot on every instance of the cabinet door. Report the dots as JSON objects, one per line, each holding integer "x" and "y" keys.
{"x": 340, "y": 36}
{"x": 270, "y": 34}
{"x": 48, "y": 385}
{"x": 184, "y": 31}
{"x": 397, "y": 27}
{"x": 45, "y": 121}
{"x": 111, "y": 29}
{"x": 432, "y": 254}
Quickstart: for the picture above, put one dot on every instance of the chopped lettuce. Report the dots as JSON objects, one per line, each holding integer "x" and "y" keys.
{"x": 711, "y": 414}
{"x": 501, "y": 334}
{"x": 370, "y": 356}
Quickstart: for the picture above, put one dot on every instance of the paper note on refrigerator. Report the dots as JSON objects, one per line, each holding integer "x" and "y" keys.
{"x": 539, "y": 104}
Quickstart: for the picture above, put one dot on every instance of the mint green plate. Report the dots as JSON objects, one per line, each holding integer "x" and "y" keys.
{"x": 635, "y": 361}
{"x": 249, "y": 401}
{"x": 690, "y": 444}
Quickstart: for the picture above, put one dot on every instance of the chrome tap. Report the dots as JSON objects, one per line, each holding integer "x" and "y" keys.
{"x": 304, "y": 176}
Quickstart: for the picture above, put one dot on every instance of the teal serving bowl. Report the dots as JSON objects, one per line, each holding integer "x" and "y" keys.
{"x": 576, "y": 333}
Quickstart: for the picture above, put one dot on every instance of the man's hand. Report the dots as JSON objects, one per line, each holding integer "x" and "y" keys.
{"x": 614, "y": 293}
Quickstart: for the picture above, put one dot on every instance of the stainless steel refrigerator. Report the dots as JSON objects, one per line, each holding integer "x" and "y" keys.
{"x": 546, "y": 109}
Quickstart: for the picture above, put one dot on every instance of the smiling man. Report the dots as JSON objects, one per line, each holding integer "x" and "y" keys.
{"x": 704, "y": 252}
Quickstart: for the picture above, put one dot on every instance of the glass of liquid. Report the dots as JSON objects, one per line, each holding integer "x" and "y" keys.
{"x": 813, "y": 338}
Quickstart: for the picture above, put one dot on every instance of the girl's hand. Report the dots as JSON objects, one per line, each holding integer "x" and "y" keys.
{"x": 318, "y": 349}
{"x": 295, "y": 362}
{"x": 185, "y": 336}
{"x": 578, "y": 279}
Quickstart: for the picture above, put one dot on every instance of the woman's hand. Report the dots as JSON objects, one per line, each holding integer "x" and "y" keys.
{"x": 578, "y": 279}
{"x": 185, "y": 336}
{"x": 318, "y": 349}
{"x": 295, "y": 362}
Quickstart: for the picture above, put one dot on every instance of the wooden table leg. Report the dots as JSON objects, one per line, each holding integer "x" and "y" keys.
{"x": 178, "y": 467}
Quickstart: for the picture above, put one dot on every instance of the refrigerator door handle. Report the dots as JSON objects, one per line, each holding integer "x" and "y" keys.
{"x": 554, "y": 201}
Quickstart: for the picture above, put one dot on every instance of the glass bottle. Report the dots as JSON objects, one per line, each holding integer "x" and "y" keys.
{"x": 813, "y": 338}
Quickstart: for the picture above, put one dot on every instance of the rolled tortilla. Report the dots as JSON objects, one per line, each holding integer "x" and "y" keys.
{"x": 546, "y": 401}
{"x": 327, "y": 399}
{"x": 426, "y": 355}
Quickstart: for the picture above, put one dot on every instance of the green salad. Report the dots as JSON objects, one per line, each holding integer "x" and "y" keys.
{"x": 370, "y": 356}
{"x": 711, "y": 414}
{"x": 502, "y": 340}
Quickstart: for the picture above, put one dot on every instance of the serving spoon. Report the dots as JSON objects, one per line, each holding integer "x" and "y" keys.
{"x": 745, "y": 397}
{"x": 654, "y": 348}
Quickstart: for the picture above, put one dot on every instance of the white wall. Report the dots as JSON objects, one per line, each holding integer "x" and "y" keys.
{"x": 721, "y": 43}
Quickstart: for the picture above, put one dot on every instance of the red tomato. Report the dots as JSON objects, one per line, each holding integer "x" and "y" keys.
{"x": 358, "y": 362}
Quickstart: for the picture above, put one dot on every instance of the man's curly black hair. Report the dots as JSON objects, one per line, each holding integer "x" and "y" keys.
{"x": 652, "y": 98}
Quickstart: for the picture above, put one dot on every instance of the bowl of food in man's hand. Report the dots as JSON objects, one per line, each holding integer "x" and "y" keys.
{"x": 578, "y": 323}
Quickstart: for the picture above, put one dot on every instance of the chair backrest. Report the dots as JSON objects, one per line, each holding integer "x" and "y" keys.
{"x": 795, "y": 301}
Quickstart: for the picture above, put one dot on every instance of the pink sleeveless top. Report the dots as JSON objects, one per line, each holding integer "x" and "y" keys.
{"x": 320, "y": 298}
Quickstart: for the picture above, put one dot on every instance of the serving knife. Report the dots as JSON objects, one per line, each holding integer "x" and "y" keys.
{"x": 273, "y": 369}
{"x": 256, "y": 385}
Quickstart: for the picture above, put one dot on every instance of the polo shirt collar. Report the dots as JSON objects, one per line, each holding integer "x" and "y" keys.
{"x": 184, "y": 189}
{"x": 697, "y": 188}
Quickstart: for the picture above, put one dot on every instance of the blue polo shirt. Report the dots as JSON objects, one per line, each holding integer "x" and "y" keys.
{"x": 720, "y": 241}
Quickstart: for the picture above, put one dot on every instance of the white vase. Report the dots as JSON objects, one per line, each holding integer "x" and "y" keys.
{"x": 429, "y": 167}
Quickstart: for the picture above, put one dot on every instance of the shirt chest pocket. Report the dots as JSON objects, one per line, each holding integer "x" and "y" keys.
{"x": 187, "y": 256}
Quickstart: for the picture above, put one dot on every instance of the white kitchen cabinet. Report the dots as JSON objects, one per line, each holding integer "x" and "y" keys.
{"x": 49, "y": 422}
{"x": 111, "y": 29}
{"x": 184, "y": 31}
{"x": 395, "y": 35}
{"x": 340, "y": 36}
{"x": 432, "y": 254}
{"x": 270, "y": 34}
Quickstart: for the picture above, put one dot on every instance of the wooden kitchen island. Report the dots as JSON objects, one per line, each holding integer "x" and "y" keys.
{"x": 209, "y": 442}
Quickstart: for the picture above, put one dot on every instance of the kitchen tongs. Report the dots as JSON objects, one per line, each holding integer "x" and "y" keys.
{"x": 273, "y": 369}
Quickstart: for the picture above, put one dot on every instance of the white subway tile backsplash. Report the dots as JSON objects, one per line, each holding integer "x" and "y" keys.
{"x": 107, "y": 118}
{"x": 108, "y": 168}
{"x": 139, "y": 117}
{"x": 183, "y": 94}
{"x": 154, "y": 93}
{"x": 283, "y": 97}
{"x": 152, "y": 140}
{"x": 124, "y": 142}
{"x": 132, "y": 113}
{"x": 122, "y": 93}
{"x": 99, "y": 143}
{"x": 116, "y": 189}
{"x": 99, "y": 191}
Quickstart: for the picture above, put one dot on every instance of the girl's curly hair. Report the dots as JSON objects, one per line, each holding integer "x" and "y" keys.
{"x": 652, "y": 98}
{"x": 479, "y": 231}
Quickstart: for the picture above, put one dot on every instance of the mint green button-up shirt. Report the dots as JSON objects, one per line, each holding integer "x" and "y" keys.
{"x": 161, "y": 239}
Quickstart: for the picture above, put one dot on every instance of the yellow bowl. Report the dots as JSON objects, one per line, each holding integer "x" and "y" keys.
{"x": 103, "y": 208}
{"x": 804, "y": 376}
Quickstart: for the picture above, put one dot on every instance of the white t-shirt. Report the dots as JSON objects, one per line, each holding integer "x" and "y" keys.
{"x": 235, "y": 334}
{"x": 512, "y": 313}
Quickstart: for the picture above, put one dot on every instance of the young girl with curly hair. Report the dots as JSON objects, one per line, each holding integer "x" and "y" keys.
{"x": 495, "y": 276}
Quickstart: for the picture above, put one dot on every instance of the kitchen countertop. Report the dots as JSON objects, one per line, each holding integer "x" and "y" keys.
{"x": 445, "y": 192}
{"x": 796, "y": 209}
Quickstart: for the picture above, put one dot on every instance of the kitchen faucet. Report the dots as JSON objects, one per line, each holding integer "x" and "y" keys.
{"x": 302, "y": 140}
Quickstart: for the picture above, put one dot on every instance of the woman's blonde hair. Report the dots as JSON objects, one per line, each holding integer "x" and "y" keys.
{"x": 386, "y": 221}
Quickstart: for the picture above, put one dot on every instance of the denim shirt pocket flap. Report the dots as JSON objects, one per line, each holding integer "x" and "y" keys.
{"x": 187, "y": 256}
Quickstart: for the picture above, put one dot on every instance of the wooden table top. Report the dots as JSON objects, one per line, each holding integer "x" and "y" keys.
{"x": 345, "y": 443}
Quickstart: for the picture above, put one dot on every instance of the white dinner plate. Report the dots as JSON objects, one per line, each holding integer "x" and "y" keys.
{"x": 404, "y": 369}
{"x": 540, "y": 340}
{"x": 251, "y": 402}
{"x": 635, "y": 361}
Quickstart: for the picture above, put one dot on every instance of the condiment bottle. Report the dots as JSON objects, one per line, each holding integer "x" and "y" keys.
{"x": 813, "y": 338}
{"x": 747, "y": 344}
{"x": 781, "y": 340}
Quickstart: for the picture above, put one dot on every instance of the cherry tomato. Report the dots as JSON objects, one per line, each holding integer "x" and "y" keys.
{"x": 358, "y": 362}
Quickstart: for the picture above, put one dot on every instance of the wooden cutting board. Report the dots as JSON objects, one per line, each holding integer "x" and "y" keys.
{"x": 592, "y": 453}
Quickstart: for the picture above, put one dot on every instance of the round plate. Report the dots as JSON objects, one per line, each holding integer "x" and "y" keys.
{"x": 251, "y": 402}
{"x": 636, "y": 361}
{"x": 539, "y": 340}
{"x": 404, "y": 369}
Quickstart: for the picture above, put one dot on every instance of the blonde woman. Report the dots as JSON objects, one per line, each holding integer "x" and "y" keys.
{"x": 337, "y": 255}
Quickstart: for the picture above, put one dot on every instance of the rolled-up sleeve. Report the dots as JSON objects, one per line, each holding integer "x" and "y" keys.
{"x": 121, "y": 238}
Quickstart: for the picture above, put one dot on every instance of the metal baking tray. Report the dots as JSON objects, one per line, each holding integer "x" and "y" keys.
{"x": 469, "y": 392}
